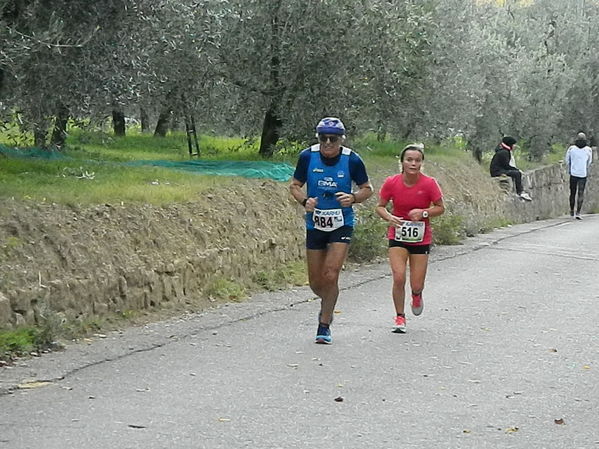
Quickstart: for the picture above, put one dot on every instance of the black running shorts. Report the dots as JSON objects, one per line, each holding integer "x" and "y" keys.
{"x": 316, "y": 239}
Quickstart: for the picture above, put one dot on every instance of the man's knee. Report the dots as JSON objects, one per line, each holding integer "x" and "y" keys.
{"x": 330, "y": 274}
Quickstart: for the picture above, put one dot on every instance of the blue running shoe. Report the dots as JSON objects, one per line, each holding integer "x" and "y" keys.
{"x": 323, "y": 336}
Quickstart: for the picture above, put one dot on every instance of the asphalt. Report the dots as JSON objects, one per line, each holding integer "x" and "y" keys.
{"x": 504, "y": 356}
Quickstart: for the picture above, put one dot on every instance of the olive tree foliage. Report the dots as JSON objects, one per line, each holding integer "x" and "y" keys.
{"x": 519, "y": 68}
{"x": 182, "y": 78}
{"x": 390, "y": 58}
{"x": 17, "y": 38}
{"x": 414, "y": 68}
{"x": 106, "y": 57}
{"x": 457, "y": 70}
{"x": 87, "y": 67}
{"x": 577, "y": 40}
{"x": 286, "y": 58}
{"x": 28, "y": 31}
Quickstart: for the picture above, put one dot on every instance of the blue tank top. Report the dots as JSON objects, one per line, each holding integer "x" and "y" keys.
{"x": 326, "y": 180}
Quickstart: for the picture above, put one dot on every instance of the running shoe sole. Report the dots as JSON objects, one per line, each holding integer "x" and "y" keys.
{"x": 323, "y": 340}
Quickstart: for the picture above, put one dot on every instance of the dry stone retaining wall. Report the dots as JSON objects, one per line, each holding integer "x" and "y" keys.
{"x": 549, "y": 188}
{"x": 82, "y": 262}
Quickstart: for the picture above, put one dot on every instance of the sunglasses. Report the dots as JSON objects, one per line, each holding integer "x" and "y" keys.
{"x": 332, "y": 139}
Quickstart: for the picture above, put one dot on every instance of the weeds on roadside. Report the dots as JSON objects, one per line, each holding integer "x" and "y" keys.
{"x": 448, "y": 229}
{"x": 18, "y": 342}
{"x": 226, "y": 289}
{"x": 293, "y": 273}
{"x": 369, "y": 240}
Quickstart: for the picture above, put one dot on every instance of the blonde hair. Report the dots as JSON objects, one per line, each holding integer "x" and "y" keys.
{"x": 414, "y": 147}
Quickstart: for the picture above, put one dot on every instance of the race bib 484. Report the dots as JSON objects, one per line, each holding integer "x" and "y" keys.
{"x": 328, "y": 219}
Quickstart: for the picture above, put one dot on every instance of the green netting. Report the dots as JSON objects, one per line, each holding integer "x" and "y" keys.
{"x": 39, "y": 153}
{"x": 248, "y": 169}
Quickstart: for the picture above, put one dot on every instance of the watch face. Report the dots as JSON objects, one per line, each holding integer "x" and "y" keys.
{"x": 425, "y": 214}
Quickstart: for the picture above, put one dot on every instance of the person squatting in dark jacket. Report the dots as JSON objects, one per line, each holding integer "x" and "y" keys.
{"x": 503, "y": 164}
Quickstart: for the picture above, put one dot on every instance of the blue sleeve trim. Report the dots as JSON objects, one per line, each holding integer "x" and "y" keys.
{"x": 301, "y": 170}
{"x": 357, "y": 169}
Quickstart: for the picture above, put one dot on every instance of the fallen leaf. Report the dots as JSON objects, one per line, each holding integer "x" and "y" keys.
{"x": 559, "y": 421}
{"x": 337, "y": 311}
{"x": 224, "y": 419}
{"x": 136, "y": 426}
{"x": 32, "y": 385}
{"x": 292, "y": 365}
{"x": 467, "y": 431}
{"x": 511, "y": 430}
{"x": 586, "y": 367}
{"x": 338, "y": 399}
{"x": 553, "y": 350}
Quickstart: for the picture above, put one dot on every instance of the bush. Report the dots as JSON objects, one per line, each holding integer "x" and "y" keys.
{"x": 18, "y": 342}
{"x": 293, "y": 273}
{"x": 368, "y": 241}
{"x": 225, "y": 289}
{"x": 448, "y": 229}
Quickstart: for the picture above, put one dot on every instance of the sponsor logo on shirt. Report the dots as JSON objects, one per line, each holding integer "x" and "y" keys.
{"x": 327, "y": 182}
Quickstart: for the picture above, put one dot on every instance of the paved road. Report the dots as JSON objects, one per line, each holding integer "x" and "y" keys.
{"x": 505, "y": 355}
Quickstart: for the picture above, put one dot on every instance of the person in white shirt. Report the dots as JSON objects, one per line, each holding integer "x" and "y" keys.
{"x": 578, "y": 160}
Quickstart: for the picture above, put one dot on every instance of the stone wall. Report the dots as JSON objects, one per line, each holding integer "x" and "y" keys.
{"x": 79, "y": 262}
{"x": 549, "y": 188}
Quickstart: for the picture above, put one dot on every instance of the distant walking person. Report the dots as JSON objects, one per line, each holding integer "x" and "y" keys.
{"x": 415, "y": 198}
{"x": 328, "y": 169}
{"x": 503, "y": 164}
{"x": 578, "y": 160}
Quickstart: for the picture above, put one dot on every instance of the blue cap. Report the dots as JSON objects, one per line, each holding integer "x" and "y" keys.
{"x": 330, "y": 125}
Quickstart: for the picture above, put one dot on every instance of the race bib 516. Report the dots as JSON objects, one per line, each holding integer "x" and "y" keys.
{"x": 410, "y": 232}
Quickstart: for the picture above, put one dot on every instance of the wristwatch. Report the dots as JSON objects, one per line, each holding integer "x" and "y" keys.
{"x": 424, "y": 214}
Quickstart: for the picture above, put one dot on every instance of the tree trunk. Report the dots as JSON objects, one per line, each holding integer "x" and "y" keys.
{"x": 381, "y": 132}
{"x": 59, "y": 133}
{"x": 144, "y": 118}
{"x": 163, "y": 123}
{"x": 271, "y": 128}
{"x": 118, "y": 122}
{"x": 39, "y": 136}
{"x": 475, "y": 149}
{"x": 270, "y": 133}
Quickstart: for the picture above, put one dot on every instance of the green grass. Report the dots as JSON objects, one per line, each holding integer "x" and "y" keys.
{"x": 226, "y": 289}
{"x": 173, "y": 147}
{"x": 18, "y": 342}
{"x": 76, "y": 182}
{"x": 294, "y": 273}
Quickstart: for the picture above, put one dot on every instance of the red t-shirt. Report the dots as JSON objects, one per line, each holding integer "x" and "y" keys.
{"x": 404, "y": 199}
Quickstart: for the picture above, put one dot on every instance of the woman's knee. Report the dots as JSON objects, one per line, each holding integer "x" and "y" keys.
{"x": 399, "y": 279}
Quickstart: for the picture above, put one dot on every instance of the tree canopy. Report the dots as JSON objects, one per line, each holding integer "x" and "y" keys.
{"x": 271, "y": 68}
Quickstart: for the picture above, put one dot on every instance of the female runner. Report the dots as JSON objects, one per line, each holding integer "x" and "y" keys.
{"x": 415, "y": 198}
